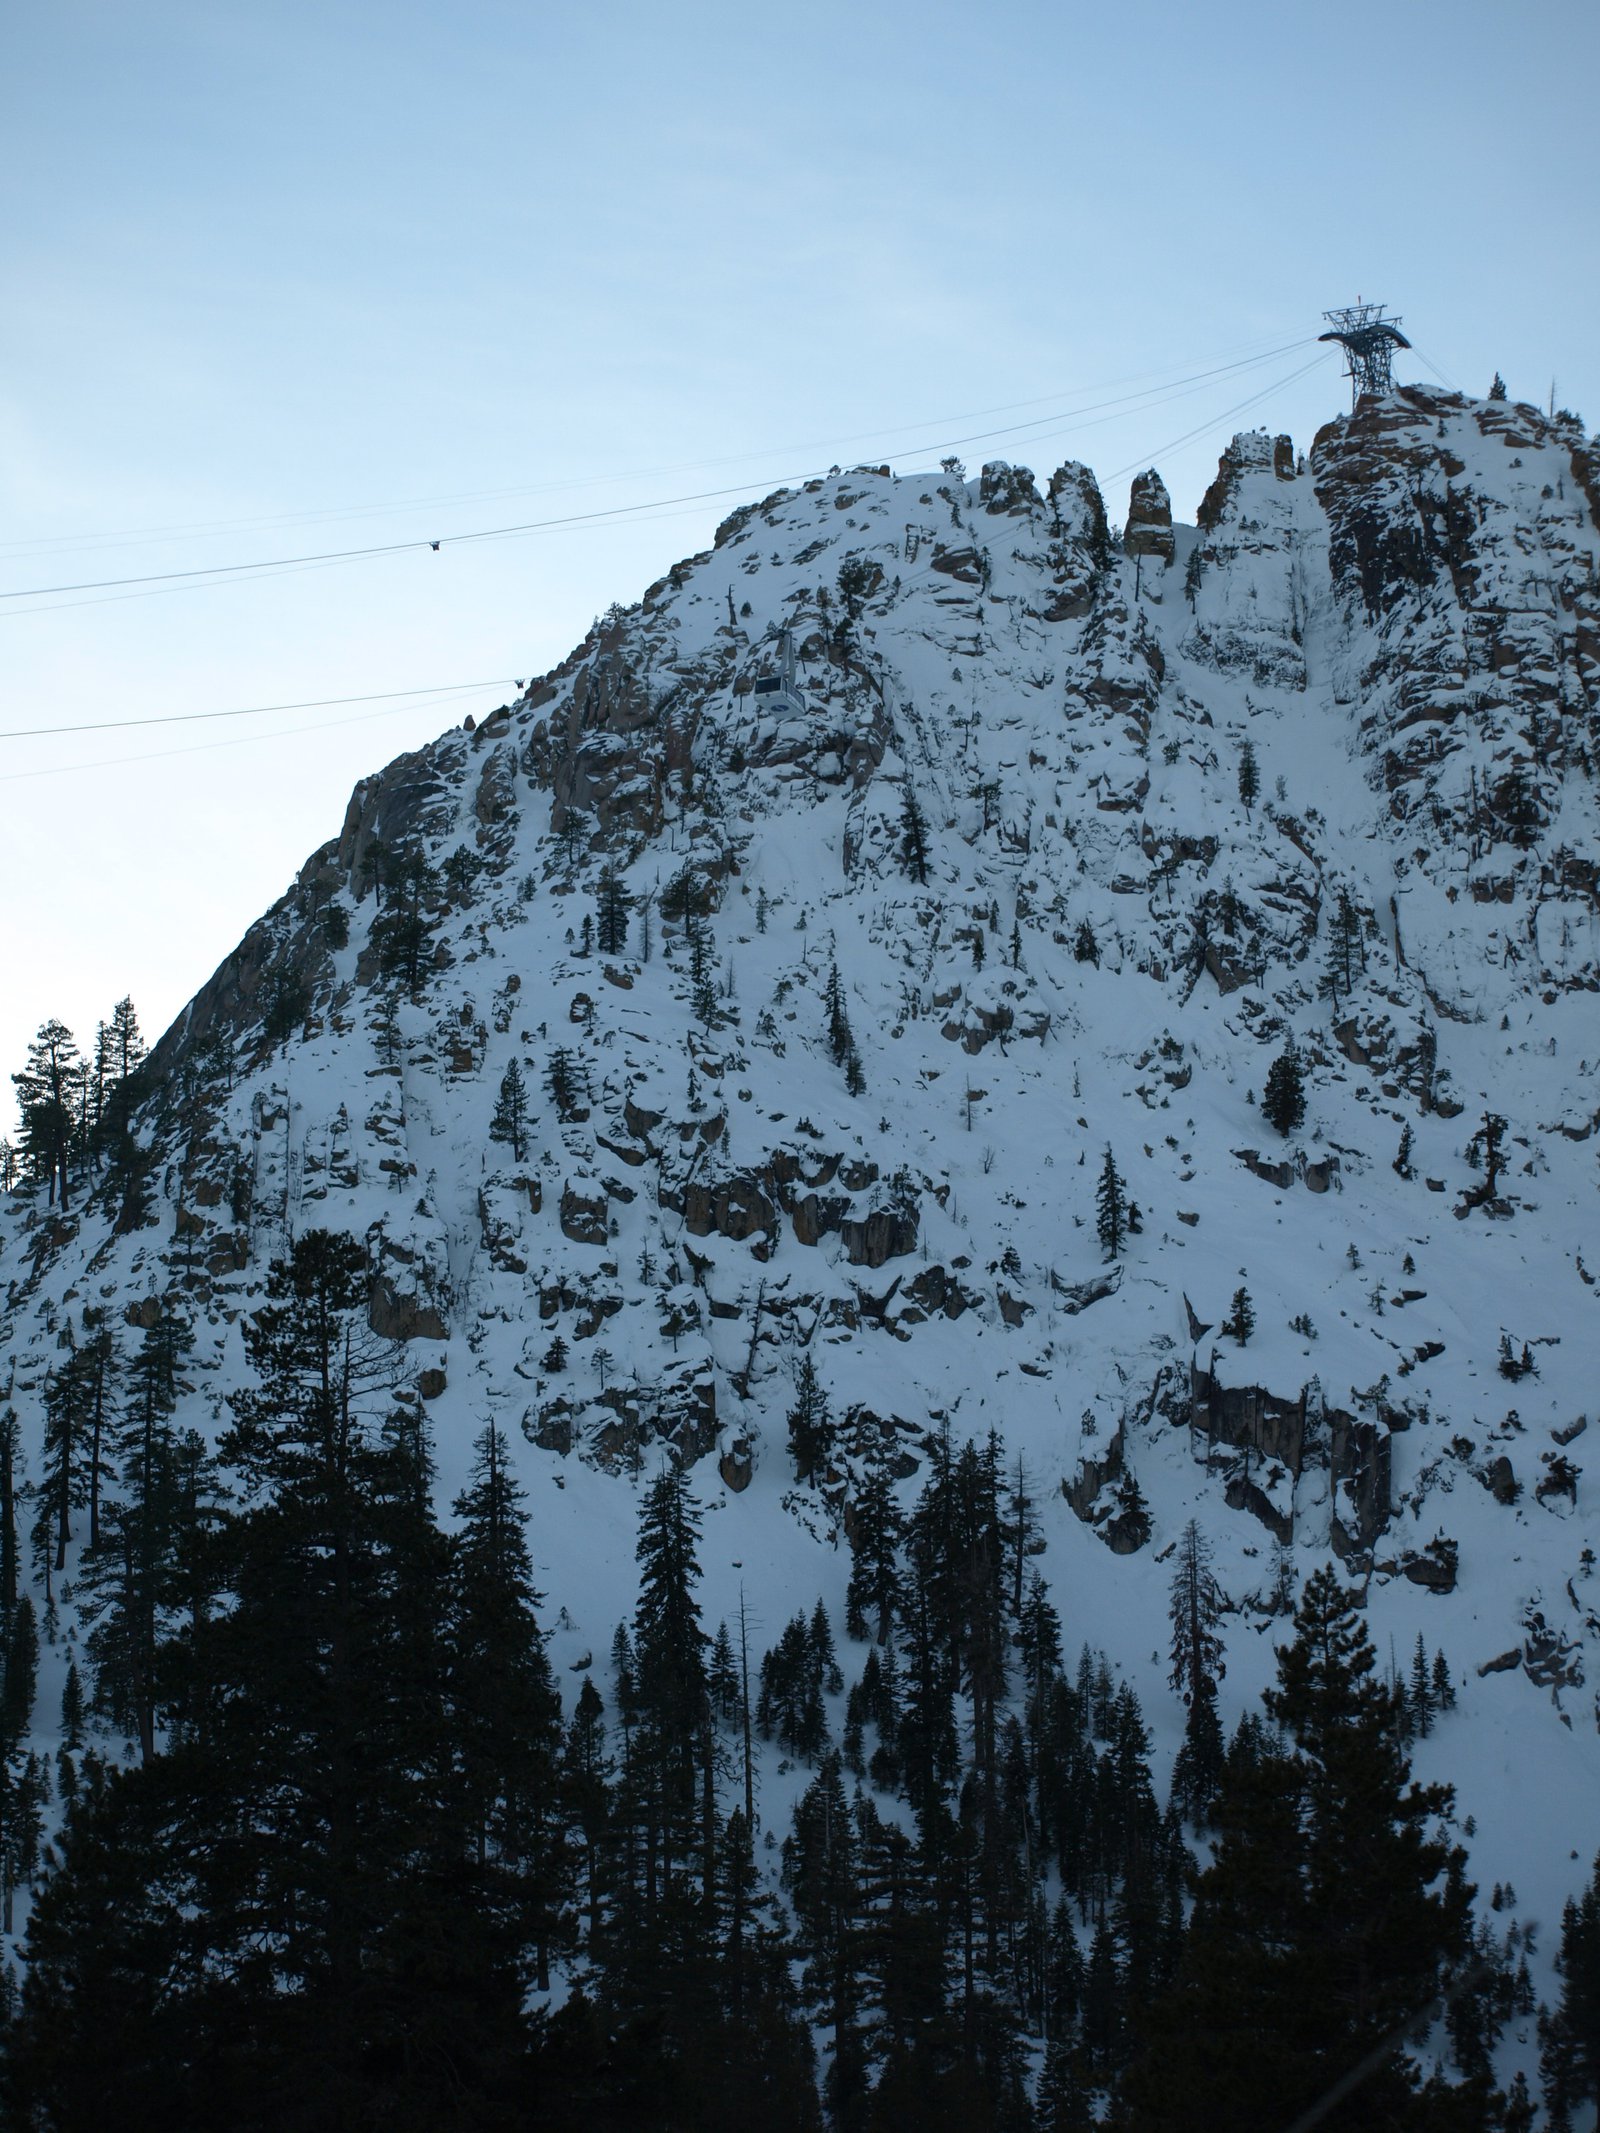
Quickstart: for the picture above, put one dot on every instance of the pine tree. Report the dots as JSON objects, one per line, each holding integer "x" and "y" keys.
{"x": 811, "y": 1431}
{"x": 572, "y": 835}
{"x": 1518, "y": 2115}
{"x": 840, "y": 1041}
{"x": 403, "y": 935}
{"x": 873, "y": 1597}
{"x": 1383, "y": 1882}
{"x": 1085, "y": 947}
{"x": 1570, "y": 2037}
{"x": 314, "y": 1784}
{"x": 510, "y": 1120}
{"x": 10, "y": 1484}
{"x": 1198, "y": 1767}
{"x": 1283, "y": 1101}
{"x": 1242, "y": 1317}
{"x": 1444, "y": 1689}
{"x": 820, "y": 1871}
{"x": 561, "y": 1080}
{"x": 126, "y": 1047}
{"x": 1249, "y": 776}
{"x": 98, "y": 1363}
{"x": 1329, "y": 1917}
{"x": 1111, "y": 1208}
{"x": 286, "y": 1001}
{"x": 1347, "y": 948}
{"x": 670, "y": 1678}
{"x": 1194, "y": 574}
{"x": 130, "y": 1580}
{"x": 790, "y": 1709}
{"x": 913, "y": 838}
{"x": 506, "y": 1715}
{"x": 1492, "y": 1133}
{"x": 1065, "y": 2102}
{"x": 19, "y": 1676}
{"x": 64, "y": 1481}
{"x": 587, "y": 1774}
{"x": 1419, "y": 1696}
{"x": 722, "y": 1677}
{"x": 48, "y": 1090}
{"x": 373, "y": 870}
{"x": 611, "y": 913}
{"x": 24, "y": 1789}
{"x": 72, "y": 1708}
{"x": 702, "y": 973}
{"x": 1195, "y": 1612}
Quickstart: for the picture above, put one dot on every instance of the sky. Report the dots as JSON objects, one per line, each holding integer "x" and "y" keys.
{"x": 291, "y": 279}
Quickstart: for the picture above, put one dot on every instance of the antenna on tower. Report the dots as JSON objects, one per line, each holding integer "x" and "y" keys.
{"x": 1369, "y": 341}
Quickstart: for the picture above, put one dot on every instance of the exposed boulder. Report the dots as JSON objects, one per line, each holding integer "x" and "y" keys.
{"x": 1081, "y": 548}
{"x": 1093, "y": 1475}
{"x": 1360, "y": 1457}
{"x": 736, "y": 1208}
{"x": 889, "y": 1233}
{"x": 1075, "y": 1296}
{"x": 1243, "y": 1494}
{"x": 1435, "y": 1568}
{"x": 737, "y": 1465}
{"x": 1251, "y": 448}
{"x": 395, "y": 1314}
{"x": 1279, "y": 1174}
{"x": 964, "y": 564}
{"x": 1148, "y": 531}
{"x": 935, "y": 1291}
{"x": 816, "y": 1215}
{"x": 584, "y": 1218}
{"x": 551, "y": 1427}
{"x": 1007, "y": 490}
{"x": 1550, "y": 1658}
{"x": 1501, "y": 1481}
{"x": 1248, "y": 1416}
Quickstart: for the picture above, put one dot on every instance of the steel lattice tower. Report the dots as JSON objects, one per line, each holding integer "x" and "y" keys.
{"x": 1369, "y": 341}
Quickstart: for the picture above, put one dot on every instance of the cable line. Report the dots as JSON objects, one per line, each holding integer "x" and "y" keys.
{"x": 1448, "y": 383}
{"x": 216, "y": 571}
{"x": 309, "y": 703}
{"x": 1238, "y": 408}
{"x": 443, "y": 689}
{"x": 349, "y": 555}
{"x": 136, "y": 536}
{"x": 647, "y": 516}
{"x": 235, "y": 740}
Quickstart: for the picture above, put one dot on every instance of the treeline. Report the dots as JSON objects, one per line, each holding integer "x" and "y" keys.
{"x": 74, "y": 1108}
{"x": 360, "y": 1869}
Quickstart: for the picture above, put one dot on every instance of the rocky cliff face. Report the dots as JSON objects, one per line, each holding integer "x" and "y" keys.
{"x": 806, "y": 1079}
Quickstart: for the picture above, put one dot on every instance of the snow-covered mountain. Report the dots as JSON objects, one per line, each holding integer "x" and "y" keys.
{"x": 956, "y": 838}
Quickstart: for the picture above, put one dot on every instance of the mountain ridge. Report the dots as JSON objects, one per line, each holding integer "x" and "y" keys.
{"x": 829, "y": 1109}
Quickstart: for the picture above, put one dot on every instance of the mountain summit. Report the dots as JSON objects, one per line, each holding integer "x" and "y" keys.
{"x": 1128, "y": 988}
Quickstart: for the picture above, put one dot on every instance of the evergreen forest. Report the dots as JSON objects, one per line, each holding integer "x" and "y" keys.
{"x": 329, "y": 1849}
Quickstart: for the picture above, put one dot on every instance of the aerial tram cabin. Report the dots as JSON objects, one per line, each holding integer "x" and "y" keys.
{"x": 773, "y": 693}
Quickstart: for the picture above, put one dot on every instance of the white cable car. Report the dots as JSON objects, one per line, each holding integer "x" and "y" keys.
{"x": 774, "y": 695}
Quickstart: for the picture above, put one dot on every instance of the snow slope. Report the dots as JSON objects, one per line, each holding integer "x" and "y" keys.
{"x": 1406, "y": 631}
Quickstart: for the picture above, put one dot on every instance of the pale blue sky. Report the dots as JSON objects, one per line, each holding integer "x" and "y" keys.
{"x": 289, "y": 264}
